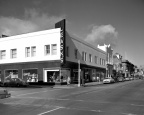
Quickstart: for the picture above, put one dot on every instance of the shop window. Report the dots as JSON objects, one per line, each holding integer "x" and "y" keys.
{"x": 11, "y": 74}
{"x": 13, "y": 53}
{"x": 0, "y": 76}
{"x": 52, "y": 76}
{"x": 47, "y": 49}
{"x": 30, "y": 75}
{"x": 64, "y": 75}
{"x": 2, "y": 54}
{"x": 33, "y": 51}
{"x": 54, "y": 49}
{"x": 27, "y": 51}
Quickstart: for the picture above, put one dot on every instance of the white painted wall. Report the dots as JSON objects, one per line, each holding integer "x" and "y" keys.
{"x": 38, "y": 39}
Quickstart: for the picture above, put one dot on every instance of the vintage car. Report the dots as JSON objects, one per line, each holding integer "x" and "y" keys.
{"x": 4, "y": 93}
{"x": 15, "y": 82}
{"x": 108, "y": 80}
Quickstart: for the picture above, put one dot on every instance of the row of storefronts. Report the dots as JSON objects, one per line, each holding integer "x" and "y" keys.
{"x": 51, "y": 75}
{"x": 50, "y": 56}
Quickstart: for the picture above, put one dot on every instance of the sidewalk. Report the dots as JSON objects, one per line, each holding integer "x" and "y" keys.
{"x": 76, "y": 85}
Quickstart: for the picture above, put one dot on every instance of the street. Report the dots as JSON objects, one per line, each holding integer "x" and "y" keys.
{"x": 123, "y": 98}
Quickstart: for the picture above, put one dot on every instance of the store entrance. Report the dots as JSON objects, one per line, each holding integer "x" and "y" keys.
{"x": 51, "y": 76}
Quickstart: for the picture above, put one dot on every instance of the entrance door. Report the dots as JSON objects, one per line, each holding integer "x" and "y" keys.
{"x": 51, "y": 75}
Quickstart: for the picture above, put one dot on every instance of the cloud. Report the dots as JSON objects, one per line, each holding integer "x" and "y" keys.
{"x": 104, "y": 34}
{"x": 33, "y": 21}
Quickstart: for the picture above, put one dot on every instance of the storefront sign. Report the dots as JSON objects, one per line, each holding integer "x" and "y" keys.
{"x": 61, "y": 25}
{"x": 62, "y": 46}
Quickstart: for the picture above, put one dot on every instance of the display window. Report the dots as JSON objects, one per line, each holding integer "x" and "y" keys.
{"x": 64, "y": 75}
{"x": 30, "y": 75}
{"x": 11, "y": 74}
{"x": 74, "y": 77}
{"x": 0, "y": 76}
{"x": 53, "y": 76}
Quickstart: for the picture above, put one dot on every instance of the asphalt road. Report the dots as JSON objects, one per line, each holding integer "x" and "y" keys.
{"x": 125, "y": 98}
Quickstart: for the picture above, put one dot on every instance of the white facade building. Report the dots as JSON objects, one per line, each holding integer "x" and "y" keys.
{"x": 50, "y": 56}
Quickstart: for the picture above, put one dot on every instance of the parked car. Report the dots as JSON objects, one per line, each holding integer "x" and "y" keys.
{"x": 120, "y": 79}
{"x": 108, "y": 80}
{"x": 127, "y": 79}
{"x": 131, "y": 78}
{"x": 4, "y": 93}
{"x": 15, "y": 82}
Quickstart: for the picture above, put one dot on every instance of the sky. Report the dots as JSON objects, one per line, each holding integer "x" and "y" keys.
{"x": 116, "y": 22}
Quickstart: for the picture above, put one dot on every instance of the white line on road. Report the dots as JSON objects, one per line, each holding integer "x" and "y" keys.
{"x": 34, "y": 92}
{"x": 136, "y": 105}
{"x": 50, "y": 110}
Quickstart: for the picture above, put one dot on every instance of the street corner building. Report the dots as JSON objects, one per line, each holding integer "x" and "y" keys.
{"x": 50, "y": 56}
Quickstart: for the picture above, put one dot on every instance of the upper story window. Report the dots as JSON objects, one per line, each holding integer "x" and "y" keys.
{"x": 54, "y": 49}
{"x": 2, "y": 54}
{"x": 13, "y": 53}
{"x": 96, "y": 58}
{"x": 76, "y": 53}
{"x": 27, "y": 51}
{"x": 90, "y": 58}
{"x": 100, "y": 61}
{"x": 67, "y": 51}
{"x": 85, "y": 57}
{"x": 47, "y": 49}
{"x": 33, "y": 51}
{"x": 82, "y": 55}
{"x": 104, "y": 62}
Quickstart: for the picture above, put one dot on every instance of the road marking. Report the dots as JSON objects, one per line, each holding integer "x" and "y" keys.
{"x": 129, "y": 114}
{"x": 50, "y": 110}
{"x": 81, "y": 92}
{"x": 136, "y": 105}
{"x": 84, "y": 109}
{"x": 34, "y": 93}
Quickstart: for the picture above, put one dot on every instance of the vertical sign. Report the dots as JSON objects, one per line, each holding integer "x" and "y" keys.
{"x": 61, "y": 25}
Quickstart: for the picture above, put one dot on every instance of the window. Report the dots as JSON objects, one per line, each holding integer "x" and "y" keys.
{"x": 82, "y": 55}
{"x": 90, "y": 58}
{"x": 47, "y": 49}
{"x": 76, "y": 51}
{"x": 104, "y": 62}
{"x": 100, "y": 61}
{"x": 33, "y": 51}
{"x": 67, "y": 51}
{"x": 85, "y": 57}
{"x": 13, "y": 53}
{"x": 11, "y": 74}
{"x": 30, "y": 75}
{"x": 27, "y": 51}
{"x": 0, "y": 76}
{"x": 54, "y": 49}
{"x": 2, "y": 54}
{"x": 96, "y": 59}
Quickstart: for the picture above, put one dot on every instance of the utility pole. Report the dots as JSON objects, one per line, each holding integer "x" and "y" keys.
{"x": 79, "y": 70}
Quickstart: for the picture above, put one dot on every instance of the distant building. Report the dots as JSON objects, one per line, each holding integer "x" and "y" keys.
{"x": 128, "y": 68}
{"x": 109, "y": 58}
{"x": 50, "y": 56}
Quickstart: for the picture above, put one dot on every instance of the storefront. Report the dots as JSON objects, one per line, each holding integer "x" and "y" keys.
{"x": 56, "y": 75}
{"x": 30, "y": 75}
{"x": 12, "y": 73}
